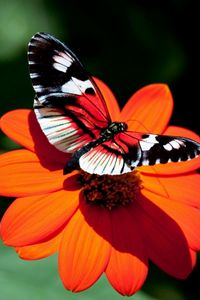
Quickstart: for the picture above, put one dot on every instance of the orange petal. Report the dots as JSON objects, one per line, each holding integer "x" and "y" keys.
{"x": 109, "y": 98}
{"x": 84, "y": 251}
{"x": 22, "y": 127}
{"x": 186, "y": 217}
{"x": 15, "y": 125}
{"x": 182, "y": 188}
{"x": 31, "y": 220}
{"x": 22, "y": 174}
{"x": 165, "y": 241}
{"x": 41, "y": 250}
{"x": 149, "y": 109}
{"x": 127, "y": 267}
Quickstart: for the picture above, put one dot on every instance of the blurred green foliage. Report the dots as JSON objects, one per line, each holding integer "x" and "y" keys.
{"x": 39, "y": 280}
{"x": 127, "y": 44}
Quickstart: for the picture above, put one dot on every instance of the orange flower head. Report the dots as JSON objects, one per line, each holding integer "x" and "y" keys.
{"x": 112, "y": 224}
{"x": 117, "y": 211}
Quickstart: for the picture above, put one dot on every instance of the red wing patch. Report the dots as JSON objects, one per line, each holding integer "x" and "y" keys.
{"x": 61, "y": 130}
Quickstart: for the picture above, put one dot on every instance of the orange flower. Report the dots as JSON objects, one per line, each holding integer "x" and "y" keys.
{"x": 150, "y": 213}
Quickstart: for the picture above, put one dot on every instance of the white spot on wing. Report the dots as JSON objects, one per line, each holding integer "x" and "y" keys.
{"x": 157, "y": 161}
{"x": 63, "y": 61}
{"x": 34, "y": 75}
{"x": 38, "y": 88}
{"x": 147, "y": 143}
{"x": 175, "y": 144}
{"x": 168, "y": 147}
{"x": 60, "y": 67}
{"x": 65, "y": 55}
{"x": 83, "y": 85}
{"x": 71, "y": 88}
{"x": 145, "y": 162}
{"x": 76, "y": 86}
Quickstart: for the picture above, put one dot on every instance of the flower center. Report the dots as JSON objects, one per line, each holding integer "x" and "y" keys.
{"x": 110, "y": 191}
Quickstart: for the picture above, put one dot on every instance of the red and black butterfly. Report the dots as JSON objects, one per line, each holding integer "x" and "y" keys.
{"x": 74, "y": 117}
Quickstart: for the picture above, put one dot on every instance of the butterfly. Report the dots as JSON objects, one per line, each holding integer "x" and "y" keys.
{"x": 73, "y": 115}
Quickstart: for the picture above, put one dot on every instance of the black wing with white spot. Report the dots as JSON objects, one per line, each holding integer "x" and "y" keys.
{"x": 161, "y": 149}
{"x": 69, "y": 106}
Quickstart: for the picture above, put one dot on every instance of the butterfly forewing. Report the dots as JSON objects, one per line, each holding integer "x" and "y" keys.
{"x": 67, "y": 97}
{"x": 161, "y": 149}
{"x": 65, "y": 133}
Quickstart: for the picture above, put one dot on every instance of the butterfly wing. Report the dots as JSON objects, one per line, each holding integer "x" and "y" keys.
{"x": 69, "y": 106}
{"x": 160, "y": 149}
{"x": 105, "y": 159}
{"x": 129, "y": 150}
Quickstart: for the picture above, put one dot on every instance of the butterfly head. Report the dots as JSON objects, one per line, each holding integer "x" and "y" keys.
{"x": 122, "y": 126}
{"x": 116, "y": 127}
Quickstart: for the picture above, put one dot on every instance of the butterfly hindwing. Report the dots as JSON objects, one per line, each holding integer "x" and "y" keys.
{"x": 105, "y": 159}
{"x": 69, "y": 106}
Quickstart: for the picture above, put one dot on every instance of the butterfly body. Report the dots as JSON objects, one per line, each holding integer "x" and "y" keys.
{"x": 74, "y": 116}
{"x": 114, "y": 128}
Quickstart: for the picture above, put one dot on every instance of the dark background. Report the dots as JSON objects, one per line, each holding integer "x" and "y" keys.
{"x": 127, "y": 44}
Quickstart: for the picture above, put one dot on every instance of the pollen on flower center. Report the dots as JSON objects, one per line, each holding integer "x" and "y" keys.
{"x": 110, "y": 191}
